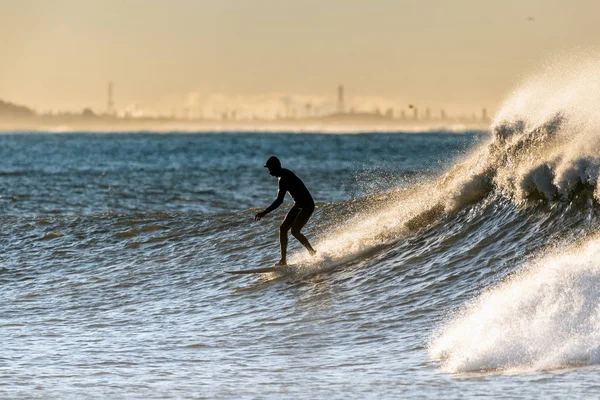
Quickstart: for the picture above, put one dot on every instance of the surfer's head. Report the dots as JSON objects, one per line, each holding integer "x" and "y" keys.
{"x": 273, "y": 165}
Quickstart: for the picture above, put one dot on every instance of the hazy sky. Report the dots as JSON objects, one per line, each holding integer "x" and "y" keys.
{"x": 459, "y": 54}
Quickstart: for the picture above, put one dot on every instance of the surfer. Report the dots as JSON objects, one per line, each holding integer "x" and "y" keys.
{"x": 298, "y": 216}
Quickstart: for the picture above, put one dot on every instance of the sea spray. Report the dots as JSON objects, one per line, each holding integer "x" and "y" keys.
{"x": 547, "y": 136}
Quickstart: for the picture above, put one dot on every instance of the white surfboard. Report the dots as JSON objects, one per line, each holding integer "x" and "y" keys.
{"x": 281, "y": 268}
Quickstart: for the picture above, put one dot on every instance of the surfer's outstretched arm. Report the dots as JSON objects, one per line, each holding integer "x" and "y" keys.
{"x": 278, "y": 201}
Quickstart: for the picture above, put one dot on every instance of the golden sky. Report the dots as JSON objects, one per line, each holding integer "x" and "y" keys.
{"x": 164, "y": 55}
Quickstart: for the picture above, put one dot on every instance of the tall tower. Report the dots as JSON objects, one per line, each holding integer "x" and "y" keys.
{"x": 340, "y": 104}
{"x": 110, "y": 105}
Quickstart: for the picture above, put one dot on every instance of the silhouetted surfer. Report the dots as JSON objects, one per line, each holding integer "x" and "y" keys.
{"x": 298, "y": 216}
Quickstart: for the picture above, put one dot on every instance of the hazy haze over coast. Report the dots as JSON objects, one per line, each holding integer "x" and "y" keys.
{"x": 202, "y": 56}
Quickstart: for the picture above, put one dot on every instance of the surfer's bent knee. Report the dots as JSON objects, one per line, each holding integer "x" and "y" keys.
{"x": 284, "y": 228}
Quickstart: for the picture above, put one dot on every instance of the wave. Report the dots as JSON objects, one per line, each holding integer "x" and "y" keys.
{"x": 545, "y": 149}
{"x": 546, "y": 136}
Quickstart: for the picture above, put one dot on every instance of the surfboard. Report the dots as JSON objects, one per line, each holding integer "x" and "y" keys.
{"x": 259, "y": 270}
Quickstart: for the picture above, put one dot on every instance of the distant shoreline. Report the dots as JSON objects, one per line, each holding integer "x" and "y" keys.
{"x": 16, "y": 118}
{"x": 257, "y": 130}
{"x": 300, "y": 126}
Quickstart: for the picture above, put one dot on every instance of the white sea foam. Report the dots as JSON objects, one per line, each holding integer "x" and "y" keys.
{"x": 548, "y": 132}
{"x": 545, "y": 317}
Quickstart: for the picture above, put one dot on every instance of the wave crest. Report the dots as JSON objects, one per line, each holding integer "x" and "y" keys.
{"x": 546, "y": 137}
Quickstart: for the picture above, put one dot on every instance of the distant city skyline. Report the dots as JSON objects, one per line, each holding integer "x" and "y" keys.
{"x": 274, "y": 105}
{"x": 459, "y": 56}
{"x": 278, "y": 106}
{"x": 271, "y": 106}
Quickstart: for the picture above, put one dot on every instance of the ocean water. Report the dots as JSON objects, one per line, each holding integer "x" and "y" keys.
{"x": 449, "y": 265}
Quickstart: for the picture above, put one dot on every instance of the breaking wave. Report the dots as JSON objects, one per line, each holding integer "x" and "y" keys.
{"x": 545, "y": 149}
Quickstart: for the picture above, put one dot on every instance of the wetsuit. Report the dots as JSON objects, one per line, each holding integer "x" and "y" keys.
{"x": 300, "y": 213}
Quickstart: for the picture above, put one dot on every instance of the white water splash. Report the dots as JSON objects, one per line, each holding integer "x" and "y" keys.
{"x": 546, "y": 317}
{"x": 548, "y": 132}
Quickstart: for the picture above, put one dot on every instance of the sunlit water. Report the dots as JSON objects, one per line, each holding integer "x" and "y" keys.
{"x": 115, "y": 249}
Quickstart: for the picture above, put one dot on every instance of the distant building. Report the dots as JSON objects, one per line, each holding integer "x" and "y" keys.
{"x": 110, "y": 105}
{"x": 340, "y": 103}
{"x": 415, "y": 111}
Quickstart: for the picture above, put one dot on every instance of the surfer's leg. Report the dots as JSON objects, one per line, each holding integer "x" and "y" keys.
{"x": 299, "y": 223}
{"x": 283, "y": 232}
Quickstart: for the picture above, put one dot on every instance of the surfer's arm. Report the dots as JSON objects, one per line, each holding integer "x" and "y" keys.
{"x": 278, "y": 201}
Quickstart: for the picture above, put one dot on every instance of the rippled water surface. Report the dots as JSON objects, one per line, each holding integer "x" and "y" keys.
{"x": 115, "y": 249}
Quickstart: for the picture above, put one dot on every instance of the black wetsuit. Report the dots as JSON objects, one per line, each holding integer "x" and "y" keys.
{"x": 300, "y": 213}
